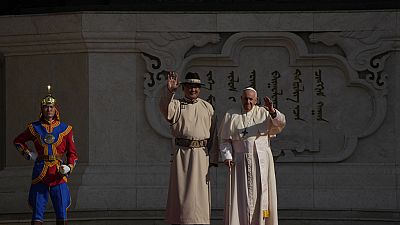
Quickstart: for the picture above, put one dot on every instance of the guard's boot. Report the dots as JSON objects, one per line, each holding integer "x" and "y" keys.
{"x": 61, "y": 222}
{"x": 36, "y": 223}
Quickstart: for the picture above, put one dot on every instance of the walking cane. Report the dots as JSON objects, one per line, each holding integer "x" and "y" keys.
{"x": 229, "y": 196}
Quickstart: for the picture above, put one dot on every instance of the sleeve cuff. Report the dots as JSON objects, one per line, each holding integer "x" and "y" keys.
{"x": 278, "y": 118}
{"x": 23, "y": 151}
{"x": 226, "y": 151}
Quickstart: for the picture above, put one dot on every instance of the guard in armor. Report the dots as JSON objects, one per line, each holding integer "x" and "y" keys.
{"x": 54, "y": 142}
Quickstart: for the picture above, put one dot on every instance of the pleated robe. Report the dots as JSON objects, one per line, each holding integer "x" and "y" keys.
{"x": 189, "y": 199}
{"x": 251, "y": 197}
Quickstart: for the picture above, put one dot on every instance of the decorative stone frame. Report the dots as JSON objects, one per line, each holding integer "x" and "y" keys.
{"x": 158, "y": 62}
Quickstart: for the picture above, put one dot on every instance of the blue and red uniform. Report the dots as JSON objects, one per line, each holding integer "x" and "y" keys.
{"x": 53, "y": 142}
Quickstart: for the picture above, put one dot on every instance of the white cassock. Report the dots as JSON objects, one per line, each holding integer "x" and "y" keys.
{"x": 245, "y": 139}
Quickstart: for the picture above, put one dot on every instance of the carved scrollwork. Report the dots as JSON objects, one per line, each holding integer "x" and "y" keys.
{"x": 366, "y": 51}
{"x": 165, "y": 52}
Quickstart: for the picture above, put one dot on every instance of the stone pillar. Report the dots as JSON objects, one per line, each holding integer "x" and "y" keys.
{"x": 41, "y": 50}
{"x": 110, "y": 177}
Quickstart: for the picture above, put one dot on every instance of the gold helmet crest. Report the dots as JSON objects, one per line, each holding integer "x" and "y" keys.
{"x": 49, "y": 99}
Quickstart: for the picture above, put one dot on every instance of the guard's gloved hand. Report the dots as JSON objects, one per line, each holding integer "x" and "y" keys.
{"x": 64, "y": 169}
{"x": 34, "y": 156}
{"x": 31, "y": 156}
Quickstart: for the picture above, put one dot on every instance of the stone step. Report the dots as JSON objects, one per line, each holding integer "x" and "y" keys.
{"x": 156, "y": 217}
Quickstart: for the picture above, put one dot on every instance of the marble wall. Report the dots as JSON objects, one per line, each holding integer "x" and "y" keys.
{"x": 334, "y": 75}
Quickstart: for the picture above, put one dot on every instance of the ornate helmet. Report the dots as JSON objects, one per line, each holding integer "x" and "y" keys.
{"x": 49, "y": 99}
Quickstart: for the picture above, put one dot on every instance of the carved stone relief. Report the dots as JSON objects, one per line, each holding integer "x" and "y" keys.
{"x": 327, "y": 103}
{"x": 366, "y": 51}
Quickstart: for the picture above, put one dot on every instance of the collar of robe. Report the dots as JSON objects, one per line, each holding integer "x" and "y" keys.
{"x": 189, "y": 101}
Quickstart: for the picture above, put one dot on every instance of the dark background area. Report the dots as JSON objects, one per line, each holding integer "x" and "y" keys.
{"x": 2, "y": 114}
{"x": 16, "y": 7}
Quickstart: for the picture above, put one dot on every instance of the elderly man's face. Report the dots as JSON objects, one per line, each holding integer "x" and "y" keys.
{"x": 249, "y": 99}
{"x": 192, "y": 91}
{"x": 48, "y": 111}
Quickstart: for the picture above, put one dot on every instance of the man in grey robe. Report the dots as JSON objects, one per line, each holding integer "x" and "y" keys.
{"x": 195, "y": 148}
{"x": 245, "y": 148}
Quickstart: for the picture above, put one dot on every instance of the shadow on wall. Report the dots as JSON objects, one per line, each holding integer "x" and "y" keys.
{"x": 75, "y": 182}
{"x": 2, "y": 114}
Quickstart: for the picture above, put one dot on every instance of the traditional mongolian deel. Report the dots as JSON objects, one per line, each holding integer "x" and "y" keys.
{"x": 51, "y": 141}
{"x": 194, "y": 148}
{"x": 245, "y": 139}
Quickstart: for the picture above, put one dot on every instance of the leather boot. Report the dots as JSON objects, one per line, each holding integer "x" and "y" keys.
{"x": 61, "y": 222}
{"x": 36, "y": 223}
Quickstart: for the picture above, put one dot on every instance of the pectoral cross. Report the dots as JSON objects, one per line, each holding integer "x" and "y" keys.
{"x": 244, "y": 132}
